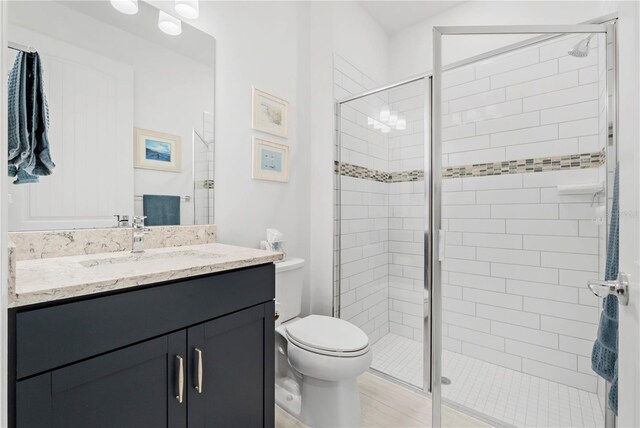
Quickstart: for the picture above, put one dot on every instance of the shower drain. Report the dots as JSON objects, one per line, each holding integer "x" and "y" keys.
{"x": 445, "y": 380}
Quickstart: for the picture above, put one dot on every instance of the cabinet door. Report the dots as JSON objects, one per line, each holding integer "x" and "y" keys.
{"x": 132, "y": 387}
{"x": 235, "y": 355}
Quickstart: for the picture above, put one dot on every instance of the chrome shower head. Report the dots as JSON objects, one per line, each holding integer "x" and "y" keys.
{"x": 581, "y": 49}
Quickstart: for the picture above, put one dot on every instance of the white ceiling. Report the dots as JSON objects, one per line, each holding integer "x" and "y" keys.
{"x": 394, "y": 16}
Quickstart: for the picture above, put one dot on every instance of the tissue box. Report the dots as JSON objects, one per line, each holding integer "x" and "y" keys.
{"x": 278, "y": 246}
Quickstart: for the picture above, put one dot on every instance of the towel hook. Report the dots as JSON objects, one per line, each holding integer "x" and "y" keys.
{"x": 617, "y": 287}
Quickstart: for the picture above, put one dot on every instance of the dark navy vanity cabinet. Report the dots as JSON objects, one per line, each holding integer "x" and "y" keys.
{"x": 196, "y": 352}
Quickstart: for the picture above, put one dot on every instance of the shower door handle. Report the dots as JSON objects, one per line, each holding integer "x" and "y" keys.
{"x": 618, "y": 287}
{"x": 441, "y": 246}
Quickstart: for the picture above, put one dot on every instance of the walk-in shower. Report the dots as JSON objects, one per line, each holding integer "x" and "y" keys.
{"x": 527, "y": 152}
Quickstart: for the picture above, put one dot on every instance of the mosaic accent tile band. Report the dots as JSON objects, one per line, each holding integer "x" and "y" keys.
{"x": 519, "y": 166}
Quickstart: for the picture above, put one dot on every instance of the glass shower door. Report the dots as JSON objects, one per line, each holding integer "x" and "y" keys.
{"x": 524, "y": 150}
{"x": 380, "y": 195}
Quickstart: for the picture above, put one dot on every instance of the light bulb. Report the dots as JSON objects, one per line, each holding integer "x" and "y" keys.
{"x": 128, "y": 7}
{"x": 168, "y": 24}
{"x": 189, "y": 9}
{"x": 393, "y": 118}
{"x": 401, "y": 124}
{"x": 384, "y": 113}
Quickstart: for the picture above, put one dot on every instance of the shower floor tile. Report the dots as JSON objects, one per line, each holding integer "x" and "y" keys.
{"x": 503, "y": 394}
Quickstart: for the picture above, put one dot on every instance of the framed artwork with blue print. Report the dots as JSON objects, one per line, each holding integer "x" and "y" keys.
{"x": 157, "y": 150}
{"x": 270, "y": 161}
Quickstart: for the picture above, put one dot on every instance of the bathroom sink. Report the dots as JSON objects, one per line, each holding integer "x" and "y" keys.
{"x": 142, "y": 257}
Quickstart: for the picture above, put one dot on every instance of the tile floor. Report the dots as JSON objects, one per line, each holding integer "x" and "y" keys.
{"x": 388, "y": 405}
{"x": 505, "y": 395}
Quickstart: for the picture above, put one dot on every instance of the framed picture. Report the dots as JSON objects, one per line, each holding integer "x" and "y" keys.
{"x": 270, "y": 161}
{"x": 270, "y": 113}
{"x": 157, "y": 150}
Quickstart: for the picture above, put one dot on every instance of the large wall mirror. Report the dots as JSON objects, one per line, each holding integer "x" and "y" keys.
{"x": 131, "y": 110}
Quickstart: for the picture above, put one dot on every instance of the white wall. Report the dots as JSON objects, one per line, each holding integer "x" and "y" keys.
{"x": 356, "y": 37}
{"x": 410, "y": 50}
{"x": 258, "y": 44}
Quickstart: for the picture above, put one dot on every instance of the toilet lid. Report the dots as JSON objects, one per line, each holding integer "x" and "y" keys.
{"x": 327, "y": 335}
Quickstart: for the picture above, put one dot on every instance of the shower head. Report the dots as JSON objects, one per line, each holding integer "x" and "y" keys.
{"x": 581, "y": 49}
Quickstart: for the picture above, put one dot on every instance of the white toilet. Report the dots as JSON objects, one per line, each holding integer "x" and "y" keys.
{"x": 318, "y": 358}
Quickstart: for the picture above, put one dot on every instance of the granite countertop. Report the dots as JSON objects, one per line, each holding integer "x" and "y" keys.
{"x": 50, "y": 279}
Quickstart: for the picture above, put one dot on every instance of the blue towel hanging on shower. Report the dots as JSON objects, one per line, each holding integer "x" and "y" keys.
{"x": 28, "y": 120}
{"x": 604, "y": 357}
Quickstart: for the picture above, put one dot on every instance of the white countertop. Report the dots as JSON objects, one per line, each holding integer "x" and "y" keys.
{"x": 50, "y": 279}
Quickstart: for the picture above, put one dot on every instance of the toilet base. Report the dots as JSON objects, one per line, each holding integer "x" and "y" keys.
{"x": 288, "y": 401}
{"x": 330, "y": 404}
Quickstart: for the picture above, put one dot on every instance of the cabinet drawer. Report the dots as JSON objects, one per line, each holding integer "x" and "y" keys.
{"x": 60, "y": 334}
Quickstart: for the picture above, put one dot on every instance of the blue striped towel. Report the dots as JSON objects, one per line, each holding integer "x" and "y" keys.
{"x": 28, "y": 117}
{"x": 604, "y": 357}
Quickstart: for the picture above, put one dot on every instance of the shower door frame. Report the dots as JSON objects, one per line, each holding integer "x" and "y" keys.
{"x": 432, "y": 342}
{"x": 428, "y": 204}
{"x": 604, "y": 26}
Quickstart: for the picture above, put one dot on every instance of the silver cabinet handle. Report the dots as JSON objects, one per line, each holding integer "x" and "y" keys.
{"x": 199, "y": 385}
{"x": 618, "y": 287}
{"x": 180, "y": 379}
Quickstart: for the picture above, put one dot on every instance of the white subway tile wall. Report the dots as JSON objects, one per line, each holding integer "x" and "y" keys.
{"x": 364, "y": 206}
{"x": 407, "y": 297}
{"x": 518, "y": 254}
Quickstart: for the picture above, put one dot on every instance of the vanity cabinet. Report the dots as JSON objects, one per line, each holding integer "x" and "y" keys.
{"x": 125, "y": 388}
{"x": 198, "y": 353}
{"x": 228, "y": 356}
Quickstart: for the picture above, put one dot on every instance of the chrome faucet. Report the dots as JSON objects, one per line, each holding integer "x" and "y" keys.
{"x": 122, "y": 220}
{"x": 139, "y": 230}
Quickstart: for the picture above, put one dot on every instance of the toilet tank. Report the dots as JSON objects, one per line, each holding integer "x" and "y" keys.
{"x": 289, "y": 279}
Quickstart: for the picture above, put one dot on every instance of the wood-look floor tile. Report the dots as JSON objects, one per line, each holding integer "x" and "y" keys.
{"x": 389, "y": 405}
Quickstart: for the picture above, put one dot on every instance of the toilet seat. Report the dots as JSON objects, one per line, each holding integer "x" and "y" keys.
{"x": 328, "y": 336}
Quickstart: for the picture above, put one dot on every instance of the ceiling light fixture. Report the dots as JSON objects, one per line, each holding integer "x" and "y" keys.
{"x": 189, "y": 9}
{"x": 169, "y": 24}
{"x": 128, "y": 7}
{"x": 401, "y": 124}
{"x": 384, "y": 113}
{"x": 393, "y": 118}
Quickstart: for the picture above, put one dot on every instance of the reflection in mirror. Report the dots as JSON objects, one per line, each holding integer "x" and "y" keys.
{"x": 130, "y": 117}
